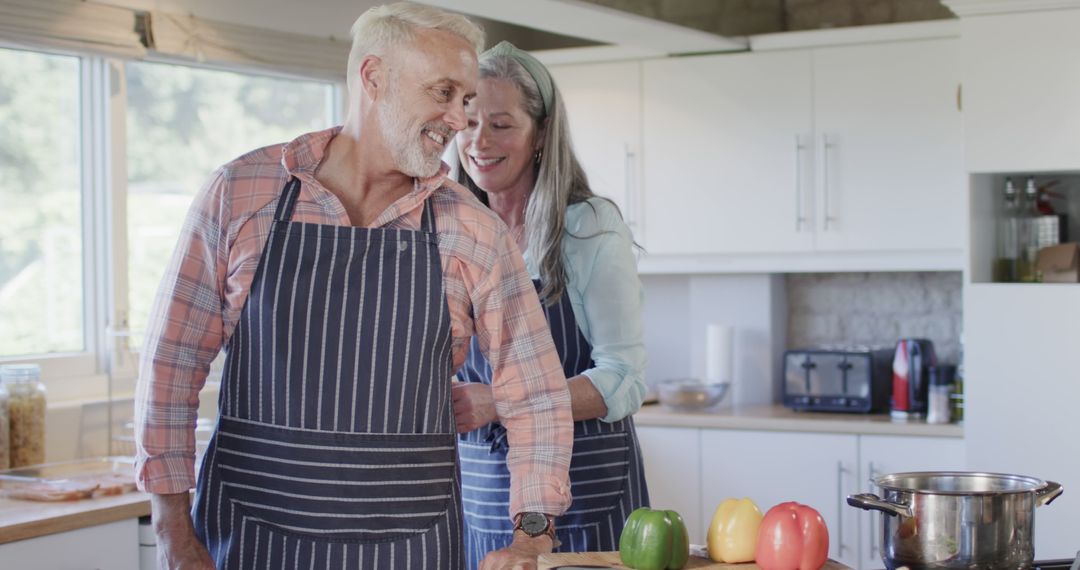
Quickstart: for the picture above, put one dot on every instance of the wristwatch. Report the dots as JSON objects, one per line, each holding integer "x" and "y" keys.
{"x": 535, "y": 524}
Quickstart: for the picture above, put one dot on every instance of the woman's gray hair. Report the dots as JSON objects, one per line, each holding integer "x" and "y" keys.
{"x": 560, "y": 180}
{"x": 381, "y": 29}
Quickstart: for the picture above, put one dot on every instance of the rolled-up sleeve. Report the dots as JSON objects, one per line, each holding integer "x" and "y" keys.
{"x": 184, "y": 335}
{"x": 603, "y": 274}
{"x": 528, "y": 384}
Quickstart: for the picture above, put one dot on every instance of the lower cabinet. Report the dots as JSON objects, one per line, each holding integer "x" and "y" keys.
{"x": 673, "y": 473}
{"x": 112, "y": 546}
{"x": 816, "y": 469}
{"x": 692, "y": 470}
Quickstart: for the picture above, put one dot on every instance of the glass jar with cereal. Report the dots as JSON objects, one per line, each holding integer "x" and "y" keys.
{"x": 26, "y": 408}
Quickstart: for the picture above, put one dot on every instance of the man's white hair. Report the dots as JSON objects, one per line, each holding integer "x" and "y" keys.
{"x": 383, "y": 28}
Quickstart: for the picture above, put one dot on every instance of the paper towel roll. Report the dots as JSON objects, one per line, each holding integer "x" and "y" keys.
{"x": 719, "y": 353}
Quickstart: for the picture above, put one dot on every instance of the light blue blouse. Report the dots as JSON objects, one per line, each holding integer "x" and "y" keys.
{"x": 607, "y": 297}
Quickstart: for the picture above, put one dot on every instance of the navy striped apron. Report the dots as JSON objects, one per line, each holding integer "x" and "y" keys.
{"x": 607, "y": 478}
{"x": 335, "y": 445}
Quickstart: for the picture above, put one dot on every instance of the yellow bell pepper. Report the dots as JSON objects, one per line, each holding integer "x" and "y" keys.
{"x": 734, "y": 531}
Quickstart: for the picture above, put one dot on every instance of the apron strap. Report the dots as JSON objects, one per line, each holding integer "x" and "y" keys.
{"x": 427, "y": 218}
{"x": 289, "y": 194}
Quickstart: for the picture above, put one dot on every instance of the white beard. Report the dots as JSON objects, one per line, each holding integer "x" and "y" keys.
{"x": 405, "y": 140}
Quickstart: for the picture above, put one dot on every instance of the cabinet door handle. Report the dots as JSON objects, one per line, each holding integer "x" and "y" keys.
{"x": 628, "y": 185}
{"x": 826, "y": 145}
{"x": 840, "y": 505}
{"x": 799, "y": 217}
{"x": 875, "y": 518}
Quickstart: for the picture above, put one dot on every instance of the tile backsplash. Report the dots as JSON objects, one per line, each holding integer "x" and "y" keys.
{"x": 876, "y": 309}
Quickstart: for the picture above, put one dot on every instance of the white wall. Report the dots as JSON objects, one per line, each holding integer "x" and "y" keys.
{"x": 679, "y": 307}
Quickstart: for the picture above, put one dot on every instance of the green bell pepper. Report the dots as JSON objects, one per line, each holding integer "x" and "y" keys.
{"x": 654, "y": 540}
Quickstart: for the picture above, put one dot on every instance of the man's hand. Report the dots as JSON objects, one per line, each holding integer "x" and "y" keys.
{"x": 177, "y": 546}
{"x": 474, "y": 407}
{"x": 520, "y": 555}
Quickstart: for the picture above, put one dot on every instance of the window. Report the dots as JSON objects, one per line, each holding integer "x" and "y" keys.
{"x": 42, "y": 305}
{"x": 182, "y": 123}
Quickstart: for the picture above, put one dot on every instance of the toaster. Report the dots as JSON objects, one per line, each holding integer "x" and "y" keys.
{"x": 838, "y": 380}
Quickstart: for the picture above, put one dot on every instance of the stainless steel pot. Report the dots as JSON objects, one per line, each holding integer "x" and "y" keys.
{"x": 952, "y": 520}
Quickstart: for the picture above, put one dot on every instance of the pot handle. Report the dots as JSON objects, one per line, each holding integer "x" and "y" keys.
{"x": 870, "y": 501}
{"x": 1047, "y": 493}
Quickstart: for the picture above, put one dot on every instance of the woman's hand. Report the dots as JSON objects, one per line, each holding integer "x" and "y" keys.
{"x": 473, "y": 405}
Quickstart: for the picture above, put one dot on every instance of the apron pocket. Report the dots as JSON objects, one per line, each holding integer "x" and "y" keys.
{"x": 599, "y": 470}
{"x": 336, "y": 486}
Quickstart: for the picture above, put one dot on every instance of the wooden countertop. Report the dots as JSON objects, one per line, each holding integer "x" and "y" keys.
{"x": 611, "y": 560}
{"x": 28, "y": 519}
{"x": 780, "y": 418}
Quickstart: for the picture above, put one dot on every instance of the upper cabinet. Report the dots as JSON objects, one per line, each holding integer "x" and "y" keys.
{"x": 889, "y": 138}
{"x": 1021, "y": 87}
{"x": 832, "y": 149}
{"x": 727, "y": 154}
{"x": 603, "y": 104}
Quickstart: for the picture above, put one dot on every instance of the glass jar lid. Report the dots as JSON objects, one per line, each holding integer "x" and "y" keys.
{"x": 20, "y": 372}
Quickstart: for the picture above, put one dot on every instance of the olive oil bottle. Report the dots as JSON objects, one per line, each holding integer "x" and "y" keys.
{"x": 1008, "y": 237}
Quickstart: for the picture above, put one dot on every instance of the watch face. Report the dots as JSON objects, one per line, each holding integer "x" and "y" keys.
{"x": 534, "y": 524}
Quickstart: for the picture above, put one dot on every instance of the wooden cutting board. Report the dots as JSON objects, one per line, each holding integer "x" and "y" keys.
{"x": 611, "y": 560}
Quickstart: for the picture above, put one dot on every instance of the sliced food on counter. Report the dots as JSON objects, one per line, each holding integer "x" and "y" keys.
{"x": 51, "y": 490}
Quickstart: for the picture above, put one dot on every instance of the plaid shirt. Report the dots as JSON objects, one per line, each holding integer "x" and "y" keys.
{"x": 488, "y": 292}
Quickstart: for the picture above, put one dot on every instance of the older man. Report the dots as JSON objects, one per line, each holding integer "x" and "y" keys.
{"x": 344, "y": 275}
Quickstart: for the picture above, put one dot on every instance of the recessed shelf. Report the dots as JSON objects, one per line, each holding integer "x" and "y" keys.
{"x": 986, "y": 207}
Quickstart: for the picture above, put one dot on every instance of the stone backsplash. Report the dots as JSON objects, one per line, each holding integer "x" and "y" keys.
{"x": 876, "y": 309}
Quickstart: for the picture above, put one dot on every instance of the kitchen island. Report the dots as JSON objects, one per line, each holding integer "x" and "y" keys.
{"x": 20, "y": 520}
{"x": 92, "y": 533}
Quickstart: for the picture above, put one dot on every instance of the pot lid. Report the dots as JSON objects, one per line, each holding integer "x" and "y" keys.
{"x": 958, "y": 483}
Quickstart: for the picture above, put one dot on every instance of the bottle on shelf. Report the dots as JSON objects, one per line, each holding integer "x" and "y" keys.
{"x": 956, "y": 399}
{"x": 1008, "y": 237}
{"x": 1029, "y": 234}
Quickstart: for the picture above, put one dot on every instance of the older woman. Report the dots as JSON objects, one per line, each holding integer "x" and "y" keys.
{"x": 515, "y": 154}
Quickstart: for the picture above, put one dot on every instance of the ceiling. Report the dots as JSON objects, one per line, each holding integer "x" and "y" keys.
{"x": 619, "y": 28}
{"x": 655, "y": 27}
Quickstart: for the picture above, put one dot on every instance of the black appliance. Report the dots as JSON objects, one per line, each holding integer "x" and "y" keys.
{"x": 854, "y": 379}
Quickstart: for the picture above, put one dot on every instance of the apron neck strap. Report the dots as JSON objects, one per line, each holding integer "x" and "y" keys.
{"x": 289, "y": 194}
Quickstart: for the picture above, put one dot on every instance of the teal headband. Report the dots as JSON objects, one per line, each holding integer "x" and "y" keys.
{"x": 532, "y": 65}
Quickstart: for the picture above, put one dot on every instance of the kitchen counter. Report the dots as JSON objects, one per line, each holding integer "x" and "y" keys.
{"x": 780, "y": 418}
{"x": 29, "y": 519}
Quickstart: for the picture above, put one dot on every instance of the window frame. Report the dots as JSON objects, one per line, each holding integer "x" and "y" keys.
{"x": 107, "y": 366}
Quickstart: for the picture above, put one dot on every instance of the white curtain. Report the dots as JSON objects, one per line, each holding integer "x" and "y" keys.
{"x": 206, "y": 41}
{"x": 70, "y": 25}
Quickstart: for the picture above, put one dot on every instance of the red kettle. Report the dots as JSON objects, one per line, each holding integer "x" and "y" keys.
{"x": 911, "y": 378}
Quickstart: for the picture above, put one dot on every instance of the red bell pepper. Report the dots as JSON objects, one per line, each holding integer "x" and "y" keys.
{"x": 792, "y": 536}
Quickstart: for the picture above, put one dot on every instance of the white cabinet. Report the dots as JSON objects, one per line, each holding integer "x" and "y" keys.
{"x": 1021, "y": 86}
{"x": 832, "y": 149}
{"x": 727, "y": 153}
{"x": 673, "y": 473}
{"x": 1021, "y": 394}
{"x": 773, "y": 467}
{"x": 881, "y": 455}
{"x": 890, "y": 139}
{"x": 603, "y": 103}
{"x": 112, "y": 546}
